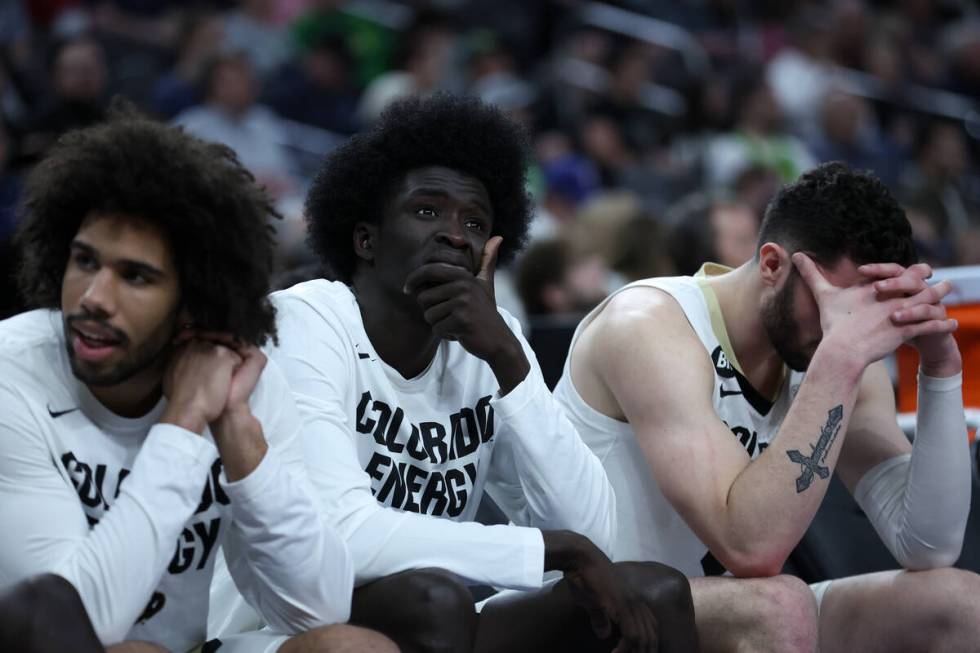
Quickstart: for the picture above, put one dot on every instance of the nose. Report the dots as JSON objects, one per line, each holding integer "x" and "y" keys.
{"x": 100, "y": 295}
{"x": 451, "y": 232}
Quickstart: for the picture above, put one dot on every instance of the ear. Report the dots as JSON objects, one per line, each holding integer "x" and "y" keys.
{"x": 774, "y": 264}
{"x": 365, "y": 235}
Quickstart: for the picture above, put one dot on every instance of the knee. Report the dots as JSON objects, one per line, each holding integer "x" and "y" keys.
{"x": 787, "y": 614}
{"x": 47, "y": 591}
{"x": 343, "y": 638}
{"x": 442, "y": 611}
{"x": 946, "y": 598}
{"x": 665, "y": 588}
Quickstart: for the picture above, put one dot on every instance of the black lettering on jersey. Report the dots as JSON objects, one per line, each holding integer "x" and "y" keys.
{"x": 407, "y": 487}
{"x": 213, "y": 492}
{"x": 465, "y": 433}
{"x": 89, "y": 484}
{"x": 710, "y": 565}
{"x": 723, "y": 366}
{"x": 748, "y": 439}
{"x": 414, "y": 447}
{"x": 434, "y": 496}
{"x": 199, "y": 537}
{"x": 157, "y": 601}
{"x": 484, "y": 416}
{"x": 434, "y": 441}
{"x": 413, "y": 485}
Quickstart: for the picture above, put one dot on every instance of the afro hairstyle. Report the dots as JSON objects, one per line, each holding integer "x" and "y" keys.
{"x": 214, "y": 215}
{"x": 457, "y": 132}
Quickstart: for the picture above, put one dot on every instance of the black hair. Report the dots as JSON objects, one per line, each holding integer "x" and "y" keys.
{"x": 204, "y": 200}
{"x": 833, "y": 211}
{"x": 457, "y": 132}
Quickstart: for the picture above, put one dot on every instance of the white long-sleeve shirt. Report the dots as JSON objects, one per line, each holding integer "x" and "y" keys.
{"x": 400, "y": 464}
{"x": 143, "y": 567}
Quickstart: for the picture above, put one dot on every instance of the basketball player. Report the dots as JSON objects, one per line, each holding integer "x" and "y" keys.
{"x": 422, "y": 395}
{"x": 142, "y": 428}
{"x": 721, "y": 404}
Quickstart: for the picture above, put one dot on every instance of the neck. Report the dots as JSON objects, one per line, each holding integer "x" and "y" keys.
{"x": 739, "y": 298}
{"x": 395, "y": 326}
{"x": 135, "y": 396}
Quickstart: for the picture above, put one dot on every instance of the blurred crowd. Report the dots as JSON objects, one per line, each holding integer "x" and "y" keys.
{"x": 660, "y": 130}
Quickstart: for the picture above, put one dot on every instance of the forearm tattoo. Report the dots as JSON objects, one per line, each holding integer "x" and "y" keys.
{"x": 810, "y": 465}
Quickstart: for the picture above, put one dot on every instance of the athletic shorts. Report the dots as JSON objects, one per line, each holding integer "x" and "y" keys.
{"x": 258, "y": 641}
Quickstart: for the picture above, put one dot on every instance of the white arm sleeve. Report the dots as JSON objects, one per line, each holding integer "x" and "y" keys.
{"x": 317, "y": 361}
{"x": 919, "y": 502}
{"x": 543, "y": 474}
{"x": 116, "y": 564}
{"x": 286, "y": 561}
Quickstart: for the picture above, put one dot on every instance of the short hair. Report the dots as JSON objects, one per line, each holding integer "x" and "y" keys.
{"x": 833, "y": 211}
{"x": 198, "y": 193}
{"x": 457, "y": 132}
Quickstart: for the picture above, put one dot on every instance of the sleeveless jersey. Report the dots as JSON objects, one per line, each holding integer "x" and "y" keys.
{"x": 648, "y": 527}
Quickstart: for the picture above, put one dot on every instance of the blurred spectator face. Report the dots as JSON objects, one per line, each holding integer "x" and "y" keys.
{"x": 850, "y": 31}
{"x": 233, "y": 85}
{"x": 631, "y": 72}
{"x": 756, "y": 186}
{"x": 760, "y": 110}
{"x": 603, "y": 141}
{"x": 327, "y": 69}
{"x": 735, "y": 230}
{"x": 432, "y": 58}
{"x": 884, "y": 61}
{"x": 80, "y": 72}
{"x": 844, "y": 118}
{"x": 945, "y": 155}
{"x": 203, "y": 38}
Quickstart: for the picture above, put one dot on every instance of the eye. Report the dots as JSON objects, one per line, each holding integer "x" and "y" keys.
{"x": 426, "y": 211}
{"x": 474, "y": 223}
{"x": 84, "y": 261}
{"x": 134, "y": 277}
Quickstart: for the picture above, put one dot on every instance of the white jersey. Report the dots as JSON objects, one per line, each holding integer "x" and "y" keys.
{"x": 401, "y": 464}
{"x": 133, "y": 512}
{"x": 649, "y": 528}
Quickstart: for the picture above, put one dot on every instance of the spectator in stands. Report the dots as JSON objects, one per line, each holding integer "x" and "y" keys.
{"x": 199, "y": 41}
{"x": 708, "y": 229}
{"x": 317, "y": 89}
{"x": 758, "y": 137}
{"x": 552, "y": 281}
{"x": 251, "y": 28}
{"x": 79, "y": 77}
{"x": 848, "y": 132}
{"x": 421, "y": 68}
{"x": 230, "y": 115}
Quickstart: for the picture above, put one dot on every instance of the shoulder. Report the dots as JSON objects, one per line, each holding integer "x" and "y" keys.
{"x": 639, "y": 312}
{"x": 318, "y": 300}
{"x": 30, "y": 342}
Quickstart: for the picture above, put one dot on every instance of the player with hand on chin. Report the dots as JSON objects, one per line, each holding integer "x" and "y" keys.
{"x": 422, "y": 395}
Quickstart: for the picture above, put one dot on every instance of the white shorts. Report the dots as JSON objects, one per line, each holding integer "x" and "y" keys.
{"x": 258, "y": 641}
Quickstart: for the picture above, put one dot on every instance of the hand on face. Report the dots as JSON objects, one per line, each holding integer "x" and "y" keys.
{"x": 871, "y": 320}
{"x": 460, "y": 305}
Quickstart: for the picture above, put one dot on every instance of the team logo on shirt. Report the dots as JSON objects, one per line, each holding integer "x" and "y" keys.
{"x": 722, "y": 365}
{"x": 397, "y": 481}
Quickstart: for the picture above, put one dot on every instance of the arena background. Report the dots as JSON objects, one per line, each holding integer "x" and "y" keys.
{"x": 659, "y": 130}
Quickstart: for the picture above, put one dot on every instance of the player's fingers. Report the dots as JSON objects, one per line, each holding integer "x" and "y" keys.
{"x": 919, "y": 313}
{"x": 929, "y": 328}
{"x": 810, "y": 273}
{"x": 488, "y": 262}
{"x": 439, "y": 312}
{"x": 890, "y": 270}
{"x": 432, "y": 274}
{"x": 601, "y": 625}
{"x": 930, "y": 295}
{"x": 429, "y": 297}
{"x": 905, "y": 284}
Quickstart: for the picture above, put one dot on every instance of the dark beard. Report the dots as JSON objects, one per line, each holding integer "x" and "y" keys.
{"x": 777, "y": 318}
{"x": 143, "y": 358}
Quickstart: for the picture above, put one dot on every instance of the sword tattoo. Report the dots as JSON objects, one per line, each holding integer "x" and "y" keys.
{"x": 810, "y": 465}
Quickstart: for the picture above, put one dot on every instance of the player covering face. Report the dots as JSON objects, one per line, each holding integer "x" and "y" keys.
{"x": 769, "y": 380}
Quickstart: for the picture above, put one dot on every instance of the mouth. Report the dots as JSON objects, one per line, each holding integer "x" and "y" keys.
{"x": 93, "y": 342}
{"x": 451, "y": 257}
